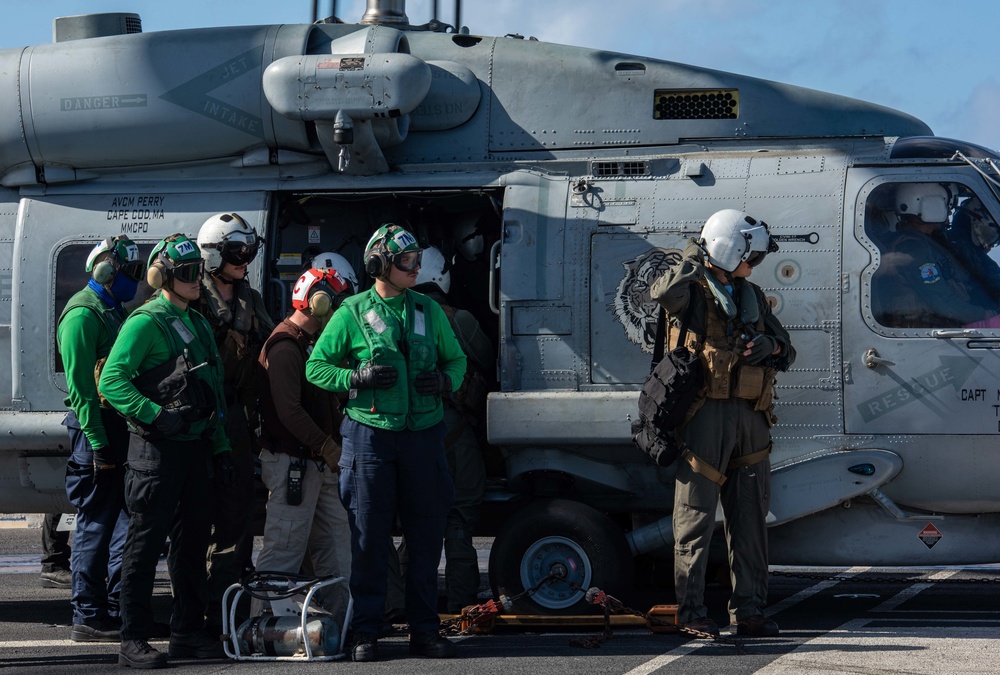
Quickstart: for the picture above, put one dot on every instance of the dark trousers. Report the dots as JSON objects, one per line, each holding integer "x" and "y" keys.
{"x": 232, "y": 509}
{"x": 382, "y": 473}
{"x": 468, "y": 473}
{"x": 101, "y": 520}
{"x": 55, "y": 544}
{"x": 167, "y": 489}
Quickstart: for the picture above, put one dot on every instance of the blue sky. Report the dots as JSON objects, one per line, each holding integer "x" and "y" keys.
{"x": 925, "y": 57}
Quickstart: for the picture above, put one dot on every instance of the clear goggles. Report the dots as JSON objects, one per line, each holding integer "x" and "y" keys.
{"x": 407, "y": 261}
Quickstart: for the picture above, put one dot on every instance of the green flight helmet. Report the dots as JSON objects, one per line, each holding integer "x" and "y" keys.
{"x": 385, "y": 247}
{"x": 112, "y": 255}
{"x": 175, "y": 257}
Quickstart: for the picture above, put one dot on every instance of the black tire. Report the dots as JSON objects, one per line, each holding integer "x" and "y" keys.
{"x": 565, "y": 534}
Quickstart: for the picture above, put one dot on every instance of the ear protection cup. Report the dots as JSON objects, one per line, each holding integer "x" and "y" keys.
{"x": 156, "y": 276}
{"x": 377, "y": 264}
{"x": 103, "y": 272}
{"x": 320, "y": 304}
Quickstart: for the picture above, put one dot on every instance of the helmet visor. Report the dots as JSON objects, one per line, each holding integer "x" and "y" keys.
{"x": 407, "y": 261}
{"x": 239, "y": 253}
{"x": 188, "y": 272}
{"x": 759, "y": 244}
{"x": 756, "y": 257}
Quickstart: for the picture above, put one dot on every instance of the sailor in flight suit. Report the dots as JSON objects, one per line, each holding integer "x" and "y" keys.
{"x": 741, "y": 345}
{"x": 240, "y": 324}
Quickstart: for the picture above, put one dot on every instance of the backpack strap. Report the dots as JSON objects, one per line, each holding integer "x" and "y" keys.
{"x": 659, "y": 344}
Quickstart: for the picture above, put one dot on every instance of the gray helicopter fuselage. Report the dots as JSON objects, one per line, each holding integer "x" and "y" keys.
{"x": 584, "y": 171}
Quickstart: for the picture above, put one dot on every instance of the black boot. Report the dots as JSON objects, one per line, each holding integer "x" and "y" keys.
{"x": 195, "y": 646}
{"x": 98, "y": 630}
{"x": 364, "y": 647}
{"x": 138, "y": 654}
{"x": 432, "y": 645}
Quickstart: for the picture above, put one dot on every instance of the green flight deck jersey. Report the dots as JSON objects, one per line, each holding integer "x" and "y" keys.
{"x": 145, "y": 342}
{"x": 87, "y": 328}
{"x": 410, "y": 332}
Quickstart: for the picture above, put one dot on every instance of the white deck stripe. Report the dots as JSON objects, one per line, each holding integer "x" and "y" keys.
{"x": 658, "y": 662}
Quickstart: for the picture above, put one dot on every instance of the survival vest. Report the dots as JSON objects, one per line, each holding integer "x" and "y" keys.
{"x": 112, "y": 319}
{"x": 237, "y": 335}
{"x": 176, "y": 382}
{"x": 400, "y": 345}
{"x": 276, "y": 437}
{"x": 726, "y": 376}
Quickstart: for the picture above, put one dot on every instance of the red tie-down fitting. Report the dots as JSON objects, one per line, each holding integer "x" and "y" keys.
{"x": 596, "y": 596}
{"x": 482, "y": 618}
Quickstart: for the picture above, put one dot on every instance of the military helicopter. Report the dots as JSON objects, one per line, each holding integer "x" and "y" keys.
{"x": 559, "y": 210}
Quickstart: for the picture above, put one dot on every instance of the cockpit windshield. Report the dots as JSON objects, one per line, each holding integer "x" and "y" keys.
{"x": 933, "y": 147}
{"x": 940, "y": 260}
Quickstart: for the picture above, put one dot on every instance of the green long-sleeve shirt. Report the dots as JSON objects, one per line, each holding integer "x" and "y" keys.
{"x": 343, "y": 343}
{"x": 141, "y": 346}
{"x": 83, "y": 339}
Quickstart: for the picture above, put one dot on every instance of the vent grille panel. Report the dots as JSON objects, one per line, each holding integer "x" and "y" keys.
{"x": 696, "y": 104}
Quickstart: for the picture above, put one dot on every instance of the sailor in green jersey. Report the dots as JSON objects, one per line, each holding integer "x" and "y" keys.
{"x": 165, "y": 375}
{"x": 95, "y": 471}
{"x": 395, "y": 353}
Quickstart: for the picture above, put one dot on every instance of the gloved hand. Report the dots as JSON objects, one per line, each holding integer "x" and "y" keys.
{"x": 693, "y": 251}
{"x": 224, "y": 469}
{"x": 759, "y": 348}
{"x": 171, "y": 422}
{"x": 432, "y": 383}
{"x": 373, "y": 376}
{"x": 330, "y": 453}
{"x": 104, "y": 459}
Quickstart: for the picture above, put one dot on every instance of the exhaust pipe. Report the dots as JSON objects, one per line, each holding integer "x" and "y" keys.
{"x": 386, "y": 13}
{"x": 658, "y": 534}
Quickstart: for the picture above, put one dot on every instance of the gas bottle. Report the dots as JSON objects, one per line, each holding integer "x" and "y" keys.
{"x": 282, "y": 635}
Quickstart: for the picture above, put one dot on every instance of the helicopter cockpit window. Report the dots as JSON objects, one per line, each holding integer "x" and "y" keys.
{"x": 939, "y": 258}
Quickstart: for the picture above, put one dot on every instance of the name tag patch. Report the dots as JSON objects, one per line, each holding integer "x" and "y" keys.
{"x": 375, "y": 321}
{"x": 186, "y": 335}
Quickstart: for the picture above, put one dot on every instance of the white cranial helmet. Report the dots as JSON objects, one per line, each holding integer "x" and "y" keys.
{"x": 227, "y": 237}
{"x": 927, "y": 201}
{"x": 434, "y": 270}
{"x": 731, "y": 236}
{"x": 339, "y": 264}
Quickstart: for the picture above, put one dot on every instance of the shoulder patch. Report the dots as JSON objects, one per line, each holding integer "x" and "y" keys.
{"x": 930, "y": 273}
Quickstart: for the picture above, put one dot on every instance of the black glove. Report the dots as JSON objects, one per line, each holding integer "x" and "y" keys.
{"x": 432, "y": 383}
{"x": 104, "y": 459}
{"x": 170, "y": 422}
{"x": 224, "y": 469}
{"x": 759, "y": 348}
{"x": 374, "y": 376}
